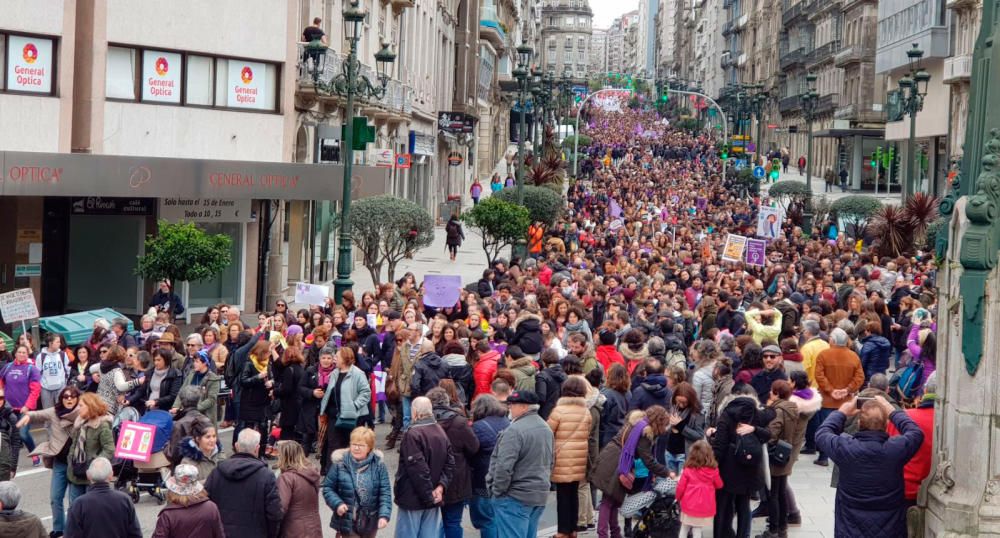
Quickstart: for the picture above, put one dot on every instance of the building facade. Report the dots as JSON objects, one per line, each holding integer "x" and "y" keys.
{"x": 666, "y": 39}
{"x": 966, "y": 18}
{"x": 566, "y": 27}
{"x": 710, "y": 53}
{"x": 598, "y": 52}
{"x": 646, "y": 38}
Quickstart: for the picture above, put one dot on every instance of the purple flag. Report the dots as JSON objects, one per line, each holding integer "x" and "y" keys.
{"x": 756, "y": 252}
{"x": 615, "y": 209}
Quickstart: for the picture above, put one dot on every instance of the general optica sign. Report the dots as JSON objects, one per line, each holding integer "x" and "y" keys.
{"x": 67, "y": 174}
{"x": 161, "y": 76}
{"x": 247, "y": 83}
{"x": 29, "y": 68}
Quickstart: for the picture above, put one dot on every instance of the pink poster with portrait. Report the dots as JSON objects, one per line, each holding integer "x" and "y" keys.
{"x": 135, "y": 441}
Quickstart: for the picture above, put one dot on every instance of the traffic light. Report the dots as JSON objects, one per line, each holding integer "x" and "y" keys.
{"x": 775, "y": 168}
{"x": 877, "y": 157}
{"x": 725, "y": 152}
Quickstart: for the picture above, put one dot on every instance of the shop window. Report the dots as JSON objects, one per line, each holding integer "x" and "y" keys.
{"x": 224, "y": 287}
{"x": 120, "y": 80}
{"x": 28, "y": 64}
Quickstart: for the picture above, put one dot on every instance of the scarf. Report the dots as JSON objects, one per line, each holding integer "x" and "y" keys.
{"x": 260, "y": 366}
{"x": 626, "y": 460}
{"x": 805, "y": 394}
{"x": 324, "y": 375}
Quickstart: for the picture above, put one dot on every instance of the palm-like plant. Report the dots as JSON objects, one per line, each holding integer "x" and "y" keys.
{"x": 893, "y": 229}
{"x": 920, "y": 210}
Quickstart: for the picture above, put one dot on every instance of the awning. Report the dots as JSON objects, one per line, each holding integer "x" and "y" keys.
{"x": 849, "y": 133}
{"x": 77, "y": 174}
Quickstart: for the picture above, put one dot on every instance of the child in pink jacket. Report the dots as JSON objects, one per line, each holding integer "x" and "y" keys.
{"x": 696, "y": 489}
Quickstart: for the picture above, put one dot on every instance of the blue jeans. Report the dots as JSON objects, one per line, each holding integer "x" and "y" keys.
{"x": 451, "y": 518}
{"x": 481, "y": 514}
{"x": 515, "y": 519}
{"x": 57, "y": 494}
{"x": 29, "y": 442}
{"x": 406, "y": 412}
{"x": 75, "y": 490}
{"x": 419, "y": 523}
{"x": 675, "y": 462}
{"x": 820, "y": 418}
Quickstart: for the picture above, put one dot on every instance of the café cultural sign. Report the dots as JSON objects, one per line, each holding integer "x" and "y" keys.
{"x": 29, "y": 68}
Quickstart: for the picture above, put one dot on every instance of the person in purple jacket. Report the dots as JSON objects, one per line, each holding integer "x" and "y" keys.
{"x": 21, "y": 381}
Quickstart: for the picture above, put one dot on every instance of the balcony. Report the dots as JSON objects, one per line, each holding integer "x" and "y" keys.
{"x": 960, "y": 4}
{"x": 823, "y": 53}
{"x": 852, "y": 55}
{"x": 726, "y": 59}
{"x": 742, "y": 60}
{"x": 397, "y": 100}
{"x": 827, "y": 103}
{"x": 741, "y": 22}
{"x": 401, "y": 4}
{"x": 957, "y": 69}
{"x": 858, "y": 114}
{"x": 727, "y": 28}
{"x": 491, "y": 30}
{"x": 792, "y": 58}
{"x": 790, "y": 14}
{"x": 790, "y": 104}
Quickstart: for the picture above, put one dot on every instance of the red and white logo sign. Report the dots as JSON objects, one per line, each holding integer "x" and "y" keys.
{"x": 30, "y": 53}
{"x": 161, "y": 66}
{"x": 29, "y": 71}
{"x": 160, "y": 83}
{"x": 246, "y": 74}
{"x": 248, "y": 85}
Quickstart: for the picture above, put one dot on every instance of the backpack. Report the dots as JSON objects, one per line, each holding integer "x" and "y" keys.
{"x": 906, "y": 383}
{"x": 748, "y": 451}
{"x": 675, "y": 357}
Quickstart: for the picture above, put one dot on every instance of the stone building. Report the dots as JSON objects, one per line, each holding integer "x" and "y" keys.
{"x": 646, "y": 34}
{"x": 598, "y": 52}
{"x": 709, "y": 46}
{"x": 966, "y": 17}
{"x": 825, "y": 17}
{"x": 566, "y": 26}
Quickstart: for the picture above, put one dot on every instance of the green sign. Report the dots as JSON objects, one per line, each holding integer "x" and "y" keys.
{"x": 27, "y": 269}
{"x": 362, "y": 133}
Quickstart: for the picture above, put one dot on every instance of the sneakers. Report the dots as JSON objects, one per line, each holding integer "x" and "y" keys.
{"x": 795, "y": 519}
{"x": 36, "y": 461}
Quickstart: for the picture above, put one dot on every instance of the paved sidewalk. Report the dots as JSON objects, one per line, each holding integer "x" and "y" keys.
{"x": 819, "y": 188}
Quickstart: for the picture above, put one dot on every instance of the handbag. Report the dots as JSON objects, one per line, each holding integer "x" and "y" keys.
{"x": 392, "y": 396}
{"x": 365, "y": 522}
{"x": 780, "y": 453}
{"x": 627, "y": 480}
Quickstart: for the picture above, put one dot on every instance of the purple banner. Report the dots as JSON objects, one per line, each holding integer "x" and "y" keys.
{"x": 615, "y": 209}
{"x": 442, "y": 290}
{"x": 702, "y": 203}
{"x": 756, "y": 252}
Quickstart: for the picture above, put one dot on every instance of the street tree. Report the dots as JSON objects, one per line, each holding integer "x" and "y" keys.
{"x": 543, "y": 203}
{"x": 182, "y": 252}
{"x": 856, "y": 210}
{"x": 387, "y": 229}
{"x": 500, "y": 224}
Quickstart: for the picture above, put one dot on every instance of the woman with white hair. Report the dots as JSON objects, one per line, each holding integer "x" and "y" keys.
{"x": 189, "y": 513}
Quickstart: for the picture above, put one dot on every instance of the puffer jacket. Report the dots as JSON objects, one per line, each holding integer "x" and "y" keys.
{"x": 739, "y": 479}
{"x": 299, "y": 493}
{"x": 633, "y": 357}
{"x": 528, "y": 333}
{"x": 570, "y": 422}
{"x": 548, "y": 387}
{"x": 485, "y": 370}
{"x": 464, "y": 446}
{"x": 428, "y": 371}
{"x": 457, "y": 369}
{"x": 651, "y": 391}
{"x": 524, "y": 370}
{"x": 487, "y": 430}
{"x": 339, "y": 487}
{"x": 607, "y": 356}
{"x": 789, "y": 427}
{"x": 875, "y": 352}
{"x": 612, "y": 415}
{"x": 99, "y": 442}
{"x": 192, "y": 455}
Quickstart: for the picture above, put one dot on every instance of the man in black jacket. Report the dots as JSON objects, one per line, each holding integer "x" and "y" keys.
{"x": 244, "y": 489}
{"x": 652, "y": 390}
{"x": 102, "y": 511}
{"x": 426, "y": 466}
{"x": 773, "y": 371}
{"x": 10, "y": 440}
{"x": 548, "y": 382}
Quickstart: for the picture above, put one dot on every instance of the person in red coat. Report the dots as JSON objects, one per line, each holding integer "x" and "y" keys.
{"x": 917, "y": 469}
{"x": 696, "y": 488}
{"x": 485, "y": 368}
{"x": 607, "y": 354}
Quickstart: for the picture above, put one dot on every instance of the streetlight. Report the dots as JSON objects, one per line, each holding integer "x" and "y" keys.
{"x": 809, "y": 101}
{"x": 524, "y": 54}
{"x": 351, "y": 84}
{"x": 912, "y": 89}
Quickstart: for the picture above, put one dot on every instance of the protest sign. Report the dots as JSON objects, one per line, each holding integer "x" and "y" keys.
{"x": 768, "y": 222}
{"x": 735, "y": 245}
{"x": 18, "y": 305}
{"x": 135, "y": 441}
{"x": 311, "y": 293}
{"x": 442, "y": 290}
{"x": 756, "y": 252}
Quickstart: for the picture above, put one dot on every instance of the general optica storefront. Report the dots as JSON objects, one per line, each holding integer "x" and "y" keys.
{"x": 72, "y": 225}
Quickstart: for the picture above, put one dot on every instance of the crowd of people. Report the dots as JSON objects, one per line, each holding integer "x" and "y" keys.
{"x": 621, "y": 352}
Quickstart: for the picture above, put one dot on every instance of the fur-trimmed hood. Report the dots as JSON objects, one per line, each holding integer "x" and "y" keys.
{"x": 523, "y": 316}
{"x": 640, "y": 354}
{"x": 808, "y": 407}
{"x": 739, "y": 402}
{"x": 339, "y": 454}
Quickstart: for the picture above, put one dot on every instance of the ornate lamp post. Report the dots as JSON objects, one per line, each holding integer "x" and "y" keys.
{"x": 351, "y": 84}
{"x": 912, "y": 90}
{"x": 524, "y": 55}
{"x": 809, "y": 100}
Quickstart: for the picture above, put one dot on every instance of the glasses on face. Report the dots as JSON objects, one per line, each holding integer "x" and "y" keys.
{"x": 770, "y": 356}
{"x": 279, "y": 305}
{"x": 192, "y": 345}
{"x": 359, "y": 445}
{"x": 103, "y": 351}
{"x": 68, "y": 397}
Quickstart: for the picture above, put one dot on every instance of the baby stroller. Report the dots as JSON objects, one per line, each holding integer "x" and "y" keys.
{"x": 135, "y": 477}
{"x": 655, "y": 513}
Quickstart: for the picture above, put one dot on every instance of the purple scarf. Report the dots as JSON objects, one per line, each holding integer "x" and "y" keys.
{"x": 805, "y": 394}
{"x": 627, "y": 458}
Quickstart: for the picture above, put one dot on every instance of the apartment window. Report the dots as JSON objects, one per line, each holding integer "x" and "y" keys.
{"x": 188, "y": 79}
{"x": 570, "y": 20}
{"x": 28, "y": 63}
{"x": 569, "y": 44}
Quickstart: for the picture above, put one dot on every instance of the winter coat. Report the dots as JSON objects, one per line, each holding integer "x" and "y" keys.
{"x": 634, "y": 358}
{"x": 522, "y": 461}
{"x": 426, "y": 461}
{"x": 184, "y": 422}
{"x": 99, "y": 442}
{"x": 464, "y": 446}
{"x": 192, "y": 455}
{"x": 170, "y": 385}
{"x": 548, "y": 387}
{"x": 524, "y": 371}
{"x": 355, "y": 395}
{"x": 309, "y": 411}
{"x": 454, "y": 232}
{"x": 870, "y": 496}
{"x": 762, "y": 380}
{"x": 720, "y": 391}
{"x": 299, "y": 493}
{"x": 428, "y": 371}
{"x": 484, "y": 288}
{"x": 789, "y": 427}
{"x": 458, "y": 370}
{"x": 703, "y": 384}
{"x": 246, "y": 492}
{"x": 200, "y": 518}
{"x": 919, "y": 466}
{"x": 484, "y": 371}
{"x": 875, "y": 353}
{"x": 605, "y": 475}
{"x": 112, "y": 384}
{"x": 608, "y": 356}
{"x": 340, "y": 487}
{"x": 528, "y": 333}
{"x": 651, "y": 391}
{"x": 837, "y": 368}
{"x": 487, "y": 431}
{"x": 21, "y": 524}
{"x": 612, "y": 415}
{"x": 58, "y": 428}
{"x": 570, "y": 422}
{"x": 738, "y": 479}
{"x": 693, "y": 431}
{"x": 696, "y": 491}
{"x": 102, "y": 511}
{"x": 255, "y": 397}
{"x": 208, "y": 404}
{"x": 286, "y": 390}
